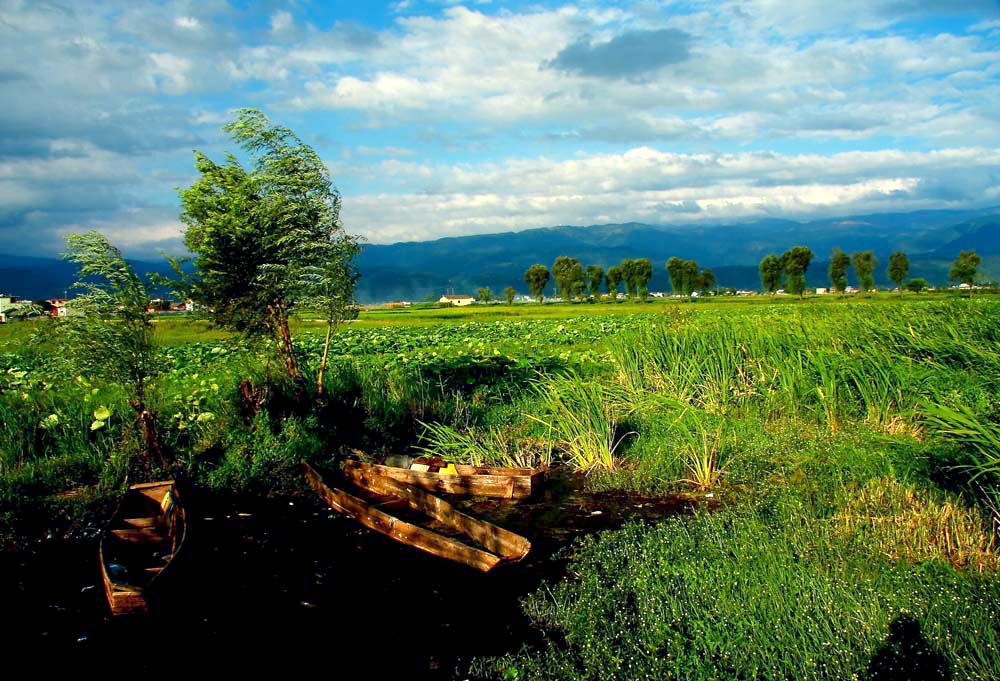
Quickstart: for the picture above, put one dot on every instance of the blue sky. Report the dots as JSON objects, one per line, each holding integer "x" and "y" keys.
{"x": 449, "y": 118}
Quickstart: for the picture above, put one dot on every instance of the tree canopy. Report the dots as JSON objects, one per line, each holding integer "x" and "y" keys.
{"x": 568, "y": 273}
{"x": 771, "y": 272}
{"x": 796, "y": 262}
{"x": 864, "y": 266}
{"x": 839, "y": 264}
{"x": 263, "y": 235}
{"x": 899, "y": 267}
{"x": 965, "y": 267}
{"x": 537, "y": 278}
{"x": 595, "y": 275}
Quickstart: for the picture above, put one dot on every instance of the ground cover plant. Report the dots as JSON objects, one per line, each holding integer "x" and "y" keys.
{"x": 848, "y": 452}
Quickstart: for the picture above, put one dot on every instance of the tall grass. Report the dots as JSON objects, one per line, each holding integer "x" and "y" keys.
{"x": 871, "y": 364}
{"x": 581, "y": 414}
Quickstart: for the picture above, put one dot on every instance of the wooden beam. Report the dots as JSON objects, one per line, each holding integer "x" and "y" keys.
{"x": 404, "y": 532}
{"x": 504, "y": 543}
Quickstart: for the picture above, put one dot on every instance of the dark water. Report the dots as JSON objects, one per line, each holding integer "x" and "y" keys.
{"x": 289, "y": 586}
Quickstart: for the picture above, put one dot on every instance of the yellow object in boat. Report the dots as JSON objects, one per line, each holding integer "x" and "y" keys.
{"x": 449, "y": 470}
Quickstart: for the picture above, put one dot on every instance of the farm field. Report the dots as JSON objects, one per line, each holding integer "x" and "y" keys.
{"x": 834, "y": 464}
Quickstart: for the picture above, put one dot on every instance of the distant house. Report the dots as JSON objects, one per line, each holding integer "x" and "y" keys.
{"x": 822, "y": 291}
{"x": 457, "y": 301}
{"x": 57, "y": 307}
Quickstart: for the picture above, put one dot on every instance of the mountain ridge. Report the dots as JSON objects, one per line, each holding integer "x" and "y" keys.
{"x": 418, "y": 270}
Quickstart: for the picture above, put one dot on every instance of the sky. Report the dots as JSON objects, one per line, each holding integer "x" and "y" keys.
{"x": 447, "y": 118}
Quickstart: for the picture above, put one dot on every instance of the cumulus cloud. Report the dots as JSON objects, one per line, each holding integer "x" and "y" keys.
{"x": 650, "y": 185}
{"x": 448, "y": 119}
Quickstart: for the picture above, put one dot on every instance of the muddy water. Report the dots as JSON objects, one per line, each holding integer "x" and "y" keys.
{"x": 287, "y": 586}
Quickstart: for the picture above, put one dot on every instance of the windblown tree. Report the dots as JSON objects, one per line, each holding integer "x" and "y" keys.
{"x": 614, "y": 279}
{"x": 257, "y": 232}
{"x": 965, "y": 268}
{"x": 916, "y": 285}
{"x": 839, "y": 264}
{"x": 899, "y": 268}
{"x": 771, "y": 272}
{"x": 484, "y": 295}
{"x": 509, "y": 293}
{"x": 109, "y": 333}
{"x": 595, "y": 275}
{"x": 864, "y": 266}
{"x": 795, "y": 262}
{"x": 568, "y": 273}
{"x": 537, "y": 278}
{"x": 330, "y": 289}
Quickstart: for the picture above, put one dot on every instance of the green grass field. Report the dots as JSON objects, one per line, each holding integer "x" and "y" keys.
{"x": 850, "y": 449}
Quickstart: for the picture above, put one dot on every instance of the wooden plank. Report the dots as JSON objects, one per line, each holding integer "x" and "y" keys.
{"x": 506, "y": 544}
{"x": 140, "y": 523}
{"x": 503, "y": 483}
{"x": 406, "y": 533}
{"x": 141, "y": 536}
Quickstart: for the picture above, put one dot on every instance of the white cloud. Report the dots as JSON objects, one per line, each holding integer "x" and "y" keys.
{"x": 646, "y": 184}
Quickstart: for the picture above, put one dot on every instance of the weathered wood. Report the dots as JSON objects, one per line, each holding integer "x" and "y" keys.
{"x": 131, "y": 541}
{"x": 503, "y": 483}
{"x": 504, "y": 543}
{"x": 404, "y": 532}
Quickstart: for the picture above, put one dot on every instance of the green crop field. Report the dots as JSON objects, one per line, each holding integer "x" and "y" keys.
{"x": 843, "y": 456}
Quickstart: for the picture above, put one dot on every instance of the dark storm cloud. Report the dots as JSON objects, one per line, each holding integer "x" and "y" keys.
{"x": 630, "y": 54}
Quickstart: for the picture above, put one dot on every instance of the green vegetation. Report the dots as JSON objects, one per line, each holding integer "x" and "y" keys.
{"x": 840, "y": 460}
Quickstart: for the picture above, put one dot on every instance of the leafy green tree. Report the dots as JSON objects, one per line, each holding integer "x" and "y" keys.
{"x": 899, "y": 267}
{"x": 839, "y": 263}
{"x": 796, "y": 262}
{"x": 109, "y": 333}
{"x": 537, "y": 278}
{"x": 257, "y": 232}
{"x": 771, "y": 272}
{"x": 707, "y": 280}
{"x": 595, "y": 275}
{"x": 916, "y": 285}
{"x": 690, "y": 277}
{"x": 568, "y": 273}
{"x": 509, "y": 293}
{"x": 965, "y": 267}
{"x": 614, "y": 279}
{"x": 484, "y": 295}
{"x": 864, "y": 266}
{"x": 675, "y": 270}
{"x": 636, "y": 273}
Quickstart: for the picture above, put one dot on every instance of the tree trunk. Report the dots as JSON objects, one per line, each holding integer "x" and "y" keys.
{"x": 322, "y": 362}
{"x": 152, "y": 451}
{"x": 279, "y": 321}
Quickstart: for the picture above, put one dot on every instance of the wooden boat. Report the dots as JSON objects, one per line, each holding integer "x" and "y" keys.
{"x": 498, "y": 545}
{"x": 504, "y": 483}
{"x": 145, "y": 535}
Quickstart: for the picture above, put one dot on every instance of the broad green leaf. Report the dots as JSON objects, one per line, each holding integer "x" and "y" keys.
{"x": 102, "y": 413}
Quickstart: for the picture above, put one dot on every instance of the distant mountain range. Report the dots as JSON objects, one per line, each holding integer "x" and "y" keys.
{"x": 427, "y": 269}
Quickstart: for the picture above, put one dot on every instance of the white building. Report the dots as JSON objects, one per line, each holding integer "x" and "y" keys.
{"x": 457, "y": 301}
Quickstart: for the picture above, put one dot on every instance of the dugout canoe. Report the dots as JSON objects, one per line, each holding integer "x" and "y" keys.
{"x": 496, "y": 545}
{"x": 145, "y": 535}
{"x": 483, "y": 481}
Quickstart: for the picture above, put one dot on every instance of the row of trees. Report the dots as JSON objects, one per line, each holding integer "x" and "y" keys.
{"x": 790, "y": 268}
{"x": 574, "y": 282}
{"x": 786, "y": 271}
